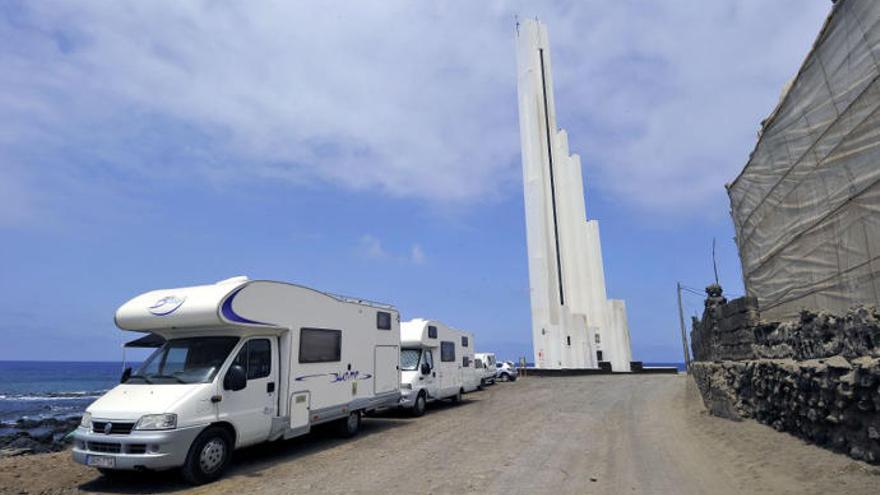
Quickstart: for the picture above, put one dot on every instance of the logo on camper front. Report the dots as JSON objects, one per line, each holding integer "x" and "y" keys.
{"x": 166, "y": 305}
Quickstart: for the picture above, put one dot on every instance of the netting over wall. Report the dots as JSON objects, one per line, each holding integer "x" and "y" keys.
{"x": 806, "y": 208}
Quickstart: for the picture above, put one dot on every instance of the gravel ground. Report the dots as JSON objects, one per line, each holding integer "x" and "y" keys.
{"x": 592, "y": 434}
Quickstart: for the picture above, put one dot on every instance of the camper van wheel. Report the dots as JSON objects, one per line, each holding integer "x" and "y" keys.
{"x": 348, "y": 427}
{"x": 418, "y": 408}
{"x": 208, "y": 456}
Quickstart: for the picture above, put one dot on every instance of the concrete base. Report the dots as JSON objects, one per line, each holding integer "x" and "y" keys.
{"x": 593, "y": 371}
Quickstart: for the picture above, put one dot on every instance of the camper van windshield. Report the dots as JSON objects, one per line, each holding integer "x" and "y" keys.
{"x": 190, "y": 360}
{"x": 409, "y": 359}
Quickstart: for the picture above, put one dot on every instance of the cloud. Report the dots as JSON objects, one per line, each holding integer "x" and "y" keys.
{"x": 406, "y": 99}
{"x": 417, "y": 255}
{"x": 371, "y": 247}
{"x": 18, "y": 206}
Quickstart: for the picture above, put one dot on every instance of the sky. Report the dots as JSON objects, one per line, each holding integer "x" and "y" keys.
{"x": 367, "y": 148}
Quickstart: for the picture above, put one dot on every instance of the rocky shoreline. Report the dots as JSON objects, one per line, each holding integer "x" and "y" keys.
{"x": 36, "y": 436}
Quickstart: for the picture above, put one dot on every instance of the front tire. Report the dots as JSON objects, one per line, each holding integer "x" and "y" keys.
{"x": 348, "y": 427}
{"x": 419, "y": 407}
{"x": 208, "y": 456}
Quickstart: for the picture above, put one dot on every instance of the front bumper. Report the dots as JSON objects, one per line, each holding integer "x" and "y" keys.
{"x": 153, "y": 450}
{"x": 407, "y": 398}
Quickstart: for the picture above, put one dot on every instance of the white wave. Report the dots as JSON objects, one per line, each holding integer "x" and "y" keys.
{"x": 54, "y": 396}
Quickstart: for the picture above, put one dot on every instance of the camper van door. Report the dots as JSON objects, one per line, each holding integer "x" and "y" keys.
{"x": 431, "y": 380}
{"x": 252, "y": 408}
{"x": 448, "y": 372}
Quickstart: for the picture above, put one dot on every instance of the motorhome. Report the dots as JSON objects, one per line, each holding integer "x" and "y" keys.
{"x": 435, "y": 363}
{"x": 243, "y": 361}
{"x": 485, "y": 364}
{"x": 470, "y": 375}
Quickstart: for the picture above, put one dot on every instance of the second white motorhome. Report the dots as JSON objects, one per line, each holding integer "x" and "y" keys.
{"x": 243, "y": 362}
{"x": 435, "y": 363}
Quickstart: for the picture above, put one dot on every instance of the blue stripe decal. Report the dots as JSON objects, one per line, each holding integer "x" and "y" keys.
{"x": 229, "y": 314}
{"x": 338, "y": 377}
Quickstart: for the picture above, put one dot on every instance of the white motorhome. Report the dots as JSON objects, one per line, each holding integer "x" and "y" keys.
{"x": 435, "y": 363}
{"x": 484, "y": 362}
{"x": 243, "y": 362}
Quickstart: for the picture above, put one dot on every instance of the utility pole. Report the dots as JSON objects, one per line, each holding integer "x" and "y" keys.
{"x": 714, "y": 263}
{"x": 684, "y": 341}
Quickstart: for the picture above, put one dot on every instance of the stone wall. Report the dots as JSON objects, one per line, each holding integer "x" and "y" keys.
{"x": 817, "y": 377}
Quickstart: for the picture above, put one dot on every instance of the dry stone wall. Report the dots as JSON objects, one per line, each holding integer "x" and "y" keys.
{"x": 817, "y": 377}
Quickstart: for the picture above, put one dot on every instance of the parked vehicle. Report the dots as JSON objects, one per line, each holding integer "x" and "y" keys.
{"x": 435, "y": 364}
{"x": 243, "y": 362}
{"x": 506, "y": 371}
{"x": 484, "y": 362}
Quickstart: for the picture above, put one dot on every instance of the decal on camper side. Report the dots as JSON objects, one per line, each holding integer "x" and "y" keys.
{"x": 338, "y": 377}
{"x": 166, "y": 305}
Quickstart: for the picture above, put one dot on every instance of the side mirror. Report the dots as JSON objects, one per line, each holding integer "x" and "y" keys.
{"x": 235, "y": 379}
{"x": 426, "y": 369}
{"x": 126, "y": 374}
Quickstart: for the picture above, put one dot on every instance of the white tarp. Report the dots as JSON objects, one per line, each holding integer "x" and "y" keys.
{"x": 806, "y": 208}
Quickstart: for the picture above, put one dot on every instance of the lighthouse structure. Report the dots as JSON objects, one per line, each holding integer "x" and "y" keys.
{"x": 574, "y": 324}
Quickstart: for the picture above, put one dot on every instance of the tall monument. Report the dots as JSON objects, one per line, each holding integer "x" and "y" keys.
{"x": 574, "y": 324}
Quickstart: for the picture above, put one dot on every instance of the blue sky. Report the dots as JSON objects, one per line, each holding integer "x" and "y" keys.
{"x": 366, "y": 148}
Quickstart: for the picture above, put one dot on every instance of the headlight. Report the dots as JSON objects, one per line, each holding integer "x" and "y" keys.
{"x": 86, "y": 421}
{"x": 157, "y": 422}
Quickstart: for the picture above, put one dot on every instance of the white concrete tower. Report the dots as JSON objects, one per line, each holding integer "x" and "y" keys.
{"x": 574, "y": 324}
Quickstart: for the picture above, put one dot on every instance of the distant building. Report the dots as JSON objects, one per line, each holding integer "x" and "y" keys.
{"x": 574, "y": 324}
{"x": 806, "y": 208}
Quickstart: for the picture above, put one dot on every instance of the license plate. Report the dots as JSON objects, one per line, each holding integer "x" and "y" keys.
{"x": 102, "y": 461}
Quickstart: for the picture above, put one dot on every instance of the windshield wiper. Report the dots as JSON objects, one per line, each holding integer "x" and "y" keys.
{"x": 175, "y": 377}
{"x": 142, "y": 377}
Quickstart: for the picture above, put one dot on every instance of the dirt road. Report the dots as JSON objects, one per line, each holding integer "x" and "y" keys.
{"x": 594, "y": 434}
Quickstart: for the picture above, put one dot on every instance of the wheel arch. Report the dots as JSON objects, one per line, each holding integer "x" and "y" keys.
{"x": 225, "y": 425}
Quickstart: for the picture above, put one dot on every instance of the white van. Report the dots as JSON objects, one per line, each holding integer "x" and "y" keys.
{"x": 435, "y": 363}
{"x": 485, "y": 364}
{"x": 243, "y": 362}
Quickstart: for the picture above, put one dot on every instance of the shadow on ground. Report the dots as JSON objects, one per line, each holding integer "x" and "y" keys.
{"x": 252, "y": 461}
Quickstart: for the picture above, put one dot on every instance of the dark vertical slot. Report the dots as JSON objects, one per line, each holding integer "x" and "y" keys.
{"x": 552, "y": 180}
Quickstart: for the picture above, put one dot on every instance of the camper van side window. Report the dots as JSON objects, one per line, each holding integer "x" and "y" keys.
{"x": 478, "y": 363}
{"x": 432, "y": 332}
{"x": 255, "y": 357}
{"x": 464, "y": 341}
{"x": 383, "y": 320}
{"x": 465, "y": 362}
{"x": 447, "y": 352}
{"x": 259, "y": 359}
{"x": 317, "y": 345}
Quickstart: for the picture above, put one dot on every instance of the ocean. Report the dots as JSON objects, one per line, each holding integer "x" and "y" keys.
{"x": 39, "y": 390}
{"x": 679, "y": 366}
{"x": 53, "y": 389}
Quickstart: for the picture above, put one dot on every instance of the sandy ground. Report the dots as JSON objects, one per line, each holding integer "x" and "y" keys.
{"x": 594, "y": 434}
